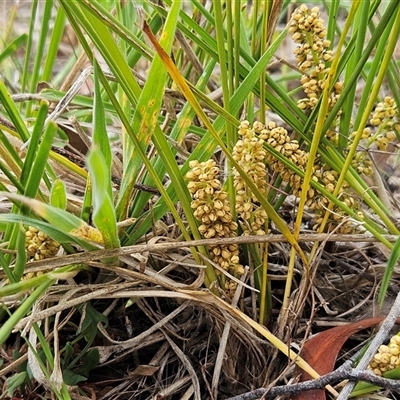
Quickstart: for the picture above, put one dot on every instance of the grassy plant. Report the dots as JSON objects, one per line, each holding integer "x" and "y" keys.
{"x": 178, "y": 122}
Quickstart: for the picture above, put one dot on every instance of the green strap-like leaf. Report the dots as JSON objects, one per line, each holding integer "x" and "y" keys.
{"x": 100, "y": 136}
{"x": 13, "y": 47}
{"x": 63, "y": 220}
{"x": 145, "y": 118}
{"x": 58, "y": 194}
{"x": 103, "y": 207}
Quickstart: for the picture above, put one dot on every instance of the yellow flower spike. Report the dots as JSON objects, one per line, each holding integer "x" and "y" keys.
{"x": 212, "y": 209}
{"x": 87, "y": 232}
{"x": 39, "y": 245}
{"x": 394, "y": 349}
{"x": 395, "y": 339}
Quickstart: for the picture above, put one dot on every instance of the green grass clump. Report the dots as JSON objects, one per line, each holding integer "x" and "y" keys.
{"x": 156, "y": 124}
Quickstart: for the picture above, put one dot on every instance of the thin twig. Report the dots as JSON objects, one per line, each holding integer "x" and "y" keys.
{"x": 344, "y": 372}
{"x": 99, "y": 254}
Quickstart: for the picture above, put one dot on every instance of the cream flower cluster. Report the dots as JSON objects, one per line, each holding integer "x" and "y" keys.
{"x": 361, "y": 162}
{"x": 328, "y": 178}
{"x": 385, "y": 123}
{"x": 312, "y": 55}
{"x": 39, "y": 245}
{"x": 278, "y": 138}
{"x": 250, "y": 155}
{"x": 212, "y": 209}
{"x": 384, "y": 118}
{"x": 210, "y": 201}
{"x": 387, "y": 357}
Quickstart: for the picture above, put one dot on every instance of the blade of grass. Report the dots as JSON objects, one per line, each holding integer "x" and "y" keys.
{"x": 100, "y": 136}
{"x": 28, "y": 53}
{"x": 145, "y": 117}
{"x": 21, "y": 257}
{"x": 360, "y": 26}
{"x": 13, "y": 113}
{"x": 54, "y": 44}
{"x": 131, "y": 37}
{"x": 55, "y": 233}
{"x": 103, "y": 207}
{"x": 13, "y": 47}
{"x": 99, "y": 163}
{"x": 33, "y": 144}
{"x": 178, "y": 133}
{"x": 263, "y": 39}
{"x": 37, "y": 168}
{"x": 387, "y": 276}
{"x": 12, "y": 164}
{"x": 117, "y": 63}
{"x": 8, "y": 325}
{"x": 39, "y": 53}
{"x": 61, "y": 219}
{"x": 58, "y": 194}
